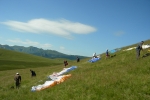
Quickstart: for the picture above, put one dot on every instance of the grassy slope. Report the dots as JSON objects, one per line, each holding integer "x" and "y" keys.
{"x": 119, "y": 78}
{"x": 16, "y": 60}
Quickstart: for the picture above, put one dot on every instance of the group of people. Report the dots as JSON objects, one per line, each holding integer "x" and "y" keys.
{"x": 138, "y": 50}
{"x": 66, "y": 62}
{"x": 17, "y": 78}
{"x": 107, "y": 54}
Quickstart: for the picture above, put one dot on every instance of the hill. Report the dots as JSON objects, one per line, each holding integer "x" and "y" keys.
{"x": 16, "y": 60}
{"x": 121, "y": 77}
{"x": 40, "y": 52}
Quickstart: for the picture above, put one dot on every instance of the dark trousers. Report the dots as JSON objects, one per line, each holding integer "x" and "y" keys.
{"x": 138, "y": 53}
{"x": 17, "y": 84}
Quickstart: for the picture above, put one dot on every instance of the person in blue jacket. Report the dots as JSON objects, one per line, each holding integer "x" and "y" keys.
{"x": 107, "y": 54}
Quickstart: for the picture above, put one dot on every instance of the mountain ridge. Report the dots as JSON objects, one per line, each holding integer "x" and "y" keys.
{"x": 41, "y": 52}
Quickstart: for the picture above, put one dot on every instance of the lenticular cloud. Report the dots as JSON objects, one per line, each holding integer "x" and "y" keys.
{"x": 62, "y": 27}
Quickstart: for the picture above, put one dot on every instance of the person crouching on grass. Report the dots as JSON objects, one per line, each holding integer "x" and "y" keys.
{"x": 65, "y": 63}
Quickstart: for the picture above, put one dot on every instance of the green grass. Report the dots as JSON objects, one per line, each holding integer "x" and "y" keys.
{"x": 119, "y": 78}
{"x": 10, "y": 60}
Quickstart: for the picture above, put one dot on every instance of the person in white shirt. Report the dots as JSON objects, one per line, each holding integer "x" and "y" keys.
{"x": 94, "y": 55}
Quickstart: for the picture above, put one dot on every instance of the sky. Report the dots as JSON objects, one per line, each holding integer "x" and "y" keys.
{"x": 74, "y": 27}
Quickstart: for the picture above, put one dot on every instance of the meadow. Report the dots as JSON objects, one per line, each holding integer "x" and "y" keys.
{"x": 121, "y": 77}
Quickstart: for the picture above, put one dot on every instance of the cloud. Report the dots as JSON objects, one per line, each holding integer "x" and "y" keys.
{"x": 119, "y": 33}
{"x": 30, "y": 43}
{"x": 64, "y": 28}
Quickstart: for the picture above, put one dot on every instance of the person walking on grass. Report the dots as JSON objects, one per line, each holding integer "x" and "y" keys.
{"x": 17, "y": 79}
{"x": 138, "y": 49}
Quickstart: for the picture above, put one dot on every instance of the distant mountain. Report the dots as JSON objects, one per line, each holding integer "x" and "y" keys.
{"x": 40, "y": 52}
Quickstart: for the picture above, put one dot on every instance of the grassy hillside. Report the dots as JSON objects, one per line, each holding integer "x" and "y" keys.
{"x": 118, "y": 78}
{"x": 16, "y": 60}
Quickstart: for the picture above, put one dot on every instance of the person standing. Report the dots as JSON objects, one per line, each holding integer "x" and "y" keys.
{"x": 17, "y": 79}
{"x": 138, "y": 49}
{"x": 78, "y": 59}
{"x": 107, "y": 54}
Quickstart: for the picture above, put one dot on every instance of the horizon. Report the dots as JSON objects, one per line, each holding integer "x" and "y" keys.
{"x": 86, "y": 56}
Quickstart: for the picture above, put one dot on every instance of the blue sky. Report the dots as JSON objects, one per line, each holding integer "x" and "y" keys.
{"x": 74, "y": 27}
